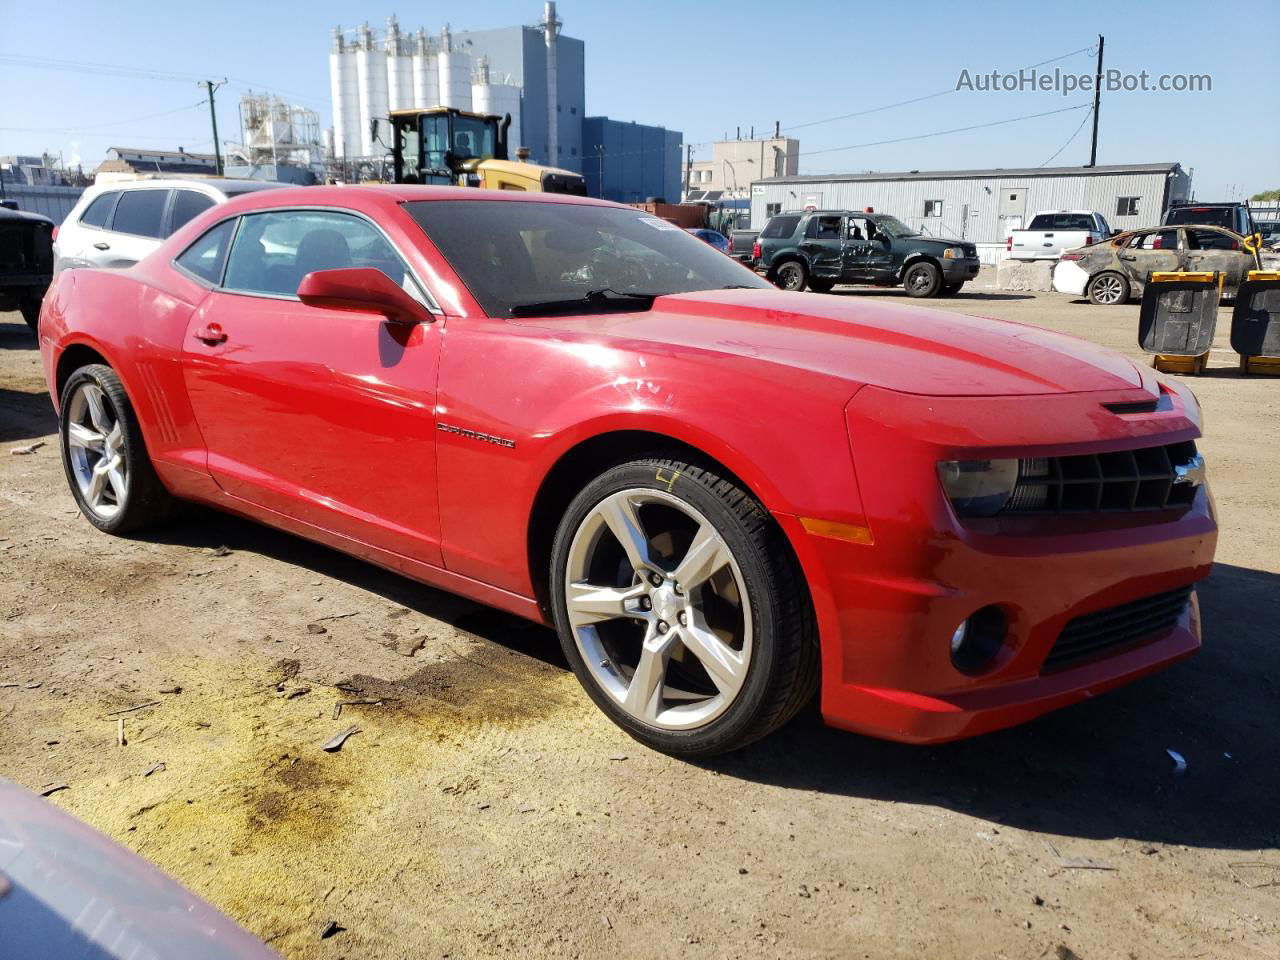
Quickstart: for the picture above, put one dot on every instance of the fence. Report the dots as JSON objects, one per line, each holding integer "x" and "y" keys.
{"x": 54, "y": 202}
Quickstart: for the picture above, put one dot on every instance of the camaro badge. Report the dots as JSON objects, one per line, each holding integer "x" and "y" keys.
{"x": 1190, "y": 473}
{"x": 476, "y": 435}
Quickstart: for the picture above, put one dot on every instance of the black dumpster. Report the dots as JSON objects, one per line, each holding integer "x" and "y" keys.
{"x": 1255, "y": 323}
{"x": 1178, "y": 318}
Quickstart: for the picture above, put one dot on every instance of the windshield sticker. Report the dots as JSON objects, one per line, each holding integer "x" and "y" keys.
{"x": 659, "y": 224}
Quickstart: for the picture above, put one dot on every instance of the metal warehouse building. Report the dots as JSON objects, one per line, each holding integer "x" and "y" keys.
{"x": 982, "y": 206}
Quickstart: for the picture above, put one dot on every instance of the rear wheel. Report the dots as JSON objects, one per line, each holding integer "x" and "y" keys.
{"x": 681, "y": 608}
{"x": 104, "y": 456}
{"x": 791, "y": 275}
{"x": 821, "y": 286}
{"x": 1108, "y": 289}
{"x": 922, "y": 280}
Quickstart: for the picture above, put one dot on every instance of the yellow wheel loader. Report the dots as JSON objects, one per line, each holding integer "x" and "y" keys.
{"x": 444, "y": 145}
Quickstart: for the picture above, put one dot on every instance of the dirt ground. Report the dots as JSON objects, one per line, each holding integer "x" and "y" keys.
{"x": 486, "y": 809}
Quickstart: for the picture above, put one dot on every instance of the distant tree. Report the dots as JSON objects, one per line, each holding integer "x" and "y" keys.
{"x": 1266, "y": 195}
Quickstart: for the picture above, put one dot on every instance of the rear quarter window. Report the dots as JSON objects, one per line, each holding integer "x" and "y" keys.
{"x": 780, "y": 227}
{"x": 95, "y": 215}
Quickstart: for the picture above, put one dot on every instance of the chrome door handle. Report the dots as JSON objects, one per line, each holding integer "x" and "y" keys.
{"x": 102, "y": 245}
{"x": 211, "y": 334}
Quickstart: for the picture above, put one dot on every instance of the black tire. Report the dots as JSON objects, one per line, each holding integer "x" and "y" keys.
{"x": 146, "y": 501}
{"x": 821, "y": 286}
{"x": 31, "y": 313}
{"x": 922, "y": 280}
{"x": 783, "y": 669}
{"x": 1108, "y": 289}
{"x": 951, "y": 289}
{"x": 791, "y": 275}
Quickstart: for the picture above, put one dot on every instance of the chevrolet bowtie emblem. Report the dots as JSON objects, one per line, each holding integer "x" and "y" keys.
{"x": 1190, "y": 473}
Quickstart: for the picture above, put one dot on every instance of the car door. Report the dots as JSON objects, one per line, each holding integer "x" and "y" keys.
{"x": 868, "y": 251}
{"x": 320, "y": 414}
{"x": 822, "y": 246}
{"x": 1150, "y": 251}
{"x": 1216, "y": 251}
{"x": 135, "y": 229}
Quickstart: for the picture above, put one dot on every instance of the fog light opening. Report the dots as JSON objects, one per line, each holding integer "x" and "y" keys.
{"x": 977, "y": 640}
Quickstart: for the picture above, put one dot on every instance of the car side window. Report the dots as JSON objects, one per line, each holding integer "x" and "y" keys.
{"x": 1158, "y": 240}
{"x": 858, "y": 230}
{"x": 206, "y": 256}
{"x": 187, "y": 205}
{"x": 139, "y": 211}
{"x": 95, "y": 215}
{"x": 272, "y": 252}
{"x": 823, "y": 228}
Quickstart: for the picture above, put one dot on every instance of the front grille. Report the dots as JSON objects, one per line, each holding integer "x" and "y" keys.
{"x": 1095, "y": 633}
{"x": 1121, "y": 482}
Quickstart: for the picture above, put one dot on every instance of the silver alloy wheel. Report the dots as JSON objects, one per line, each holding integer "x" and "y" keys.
{"x": 658, "y": 609}
{"x": 1107, "y": 289}
{"x": 95, "y": 445}
{"x": 790, "y": 276}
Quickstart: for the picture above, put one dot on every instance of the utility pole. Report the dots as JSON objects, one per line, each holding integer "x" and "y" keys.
{"x": 213, "y": 115}
{"x": 1097, "y": 101}
{"x": 688, "y": 167}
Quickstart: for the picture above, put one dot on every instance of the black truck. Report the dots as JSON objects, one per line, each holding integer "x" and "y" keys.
{"x": 26, "y": 260}
{"x": 820, "y": 248}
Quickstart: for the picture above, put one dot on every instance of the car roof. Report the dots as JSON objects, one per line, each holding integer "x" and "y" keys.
{"x": 223, "y": 185}
{"x": 373, "y": 196}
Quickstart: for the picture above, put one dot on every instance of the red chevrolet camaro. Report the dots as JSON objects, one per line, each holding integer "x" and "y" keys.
{"x": 724, "y": 497}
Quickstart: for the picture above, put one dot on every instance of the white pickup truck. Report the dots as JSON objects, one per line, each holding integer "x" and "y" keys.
{"x": 1053, "y": 231}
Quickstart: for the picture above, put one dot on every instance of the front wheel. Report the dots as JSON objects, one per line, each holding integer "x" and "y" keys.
{"x": 104, "y": 456}
{"x": 951, "y": 289}
{"x": 791, "y": 275}
{"x": 922, "y": 280}
{"x": 681, "y": 609}
{"x": 31, "y": 314}
{"x": 821, "y": 286}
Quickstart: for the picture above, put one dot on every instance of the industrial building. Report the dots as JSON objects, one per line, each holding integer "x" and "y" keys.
{"x": 508, "y": 70}
{"x": 736, "y": 164}
{"x": 630, "y": 162}
{"x": 982, "y": 206}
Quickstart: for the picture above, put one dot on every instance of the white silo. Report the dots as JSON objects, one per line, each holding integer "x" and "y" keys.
{"x": 399, "y": 69}
{"x": 455, "y": 74}
{"x": 500, "y": 99}
{"x": 426, "y": 74}
{"x": 345, "y": 99}
{"x": 371, "y": 78}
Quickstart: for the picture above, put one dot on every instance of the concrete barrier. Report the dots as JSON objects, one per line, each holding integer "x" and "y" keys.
{"x": 1025, "y": 275}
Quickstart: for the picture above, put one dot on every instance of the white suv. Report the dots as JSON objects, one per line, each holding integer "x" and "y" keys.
{"x": 117, "y": 224}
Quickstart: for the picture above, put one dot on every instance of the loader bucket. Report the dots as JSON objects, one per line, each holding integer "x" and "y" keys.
{"x": 1178, "y": 317}
{"x": 1255, "y": 323}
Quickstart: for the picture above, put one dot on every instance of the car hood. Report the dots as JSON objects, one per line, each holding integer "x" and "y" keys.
{"x": 905, "y": 348}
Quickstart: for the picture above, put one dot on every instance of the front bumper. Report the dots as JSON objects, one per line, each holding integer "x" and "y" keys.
{"x": 960, "y": 269}
{"x": 887, "y": 609}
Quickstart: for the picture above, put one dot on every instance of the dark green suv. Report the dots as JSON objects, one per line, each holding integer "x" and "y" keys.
{"x": 820, "y": 248}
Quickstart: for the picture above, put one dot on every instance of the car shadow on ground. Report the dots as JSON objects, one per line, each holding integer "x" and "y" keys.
{"x": 25, "y": 415}
{"x": 1095, "y": 770}
{"x": 899, "y": 292}
{"x": 200, "y": 528}
{"x": 1098, "y": 769}
{"x": 16, "y": 336}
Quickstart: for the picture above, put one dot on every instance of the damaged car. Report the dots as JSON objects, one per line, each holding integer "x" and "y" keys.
{"x": 1111, "y": 273}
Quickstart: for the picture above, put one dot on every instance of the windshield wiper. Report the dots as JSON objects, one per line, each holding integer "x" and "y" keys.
{"x": 591, "y": 300}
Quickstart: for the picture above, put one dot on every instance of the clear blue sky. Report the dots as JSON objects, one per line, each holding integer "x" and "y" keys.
{"x": 703, "y": 69}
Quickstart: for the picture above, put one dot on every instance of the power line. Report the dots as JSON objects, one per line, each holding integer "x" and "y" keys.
{"x": 1070, "y": 138}
{"x": 942, "y": 133}
{"x": 113, "y": 123}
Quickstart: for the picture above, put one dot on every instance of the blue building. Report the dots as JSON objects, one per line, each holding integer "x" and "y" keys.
{"x": 631, "y": 162}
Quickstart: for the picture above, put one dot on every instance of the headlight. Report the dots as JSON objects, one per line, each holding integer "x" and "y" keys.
{"x": 953, "y": 253}
{"x": 978, "y": 488}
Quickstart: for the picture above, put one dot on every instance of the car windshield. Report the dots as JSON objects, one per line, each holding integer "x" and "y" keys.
{"x": 521, "y": 257}
{"x": 895, "y": 227}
